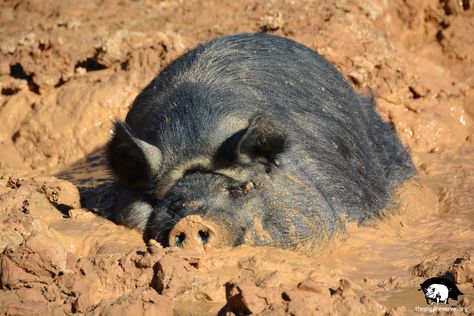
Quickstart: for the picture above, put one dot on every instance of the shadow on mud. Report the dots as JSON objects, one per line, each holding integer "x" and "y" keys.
{"x": 94, "y": 181}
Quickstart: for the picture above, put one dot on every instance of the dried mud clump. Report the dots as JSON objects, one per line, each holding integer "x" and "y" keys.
{"x": 463, "y": 270}
{"x": 308, "y": 298}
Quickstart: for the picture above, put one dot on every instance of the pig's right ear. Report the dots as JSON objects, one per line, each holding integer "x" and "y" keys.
{"x": 133, "y": 160}
{"x": 257, "y": 142}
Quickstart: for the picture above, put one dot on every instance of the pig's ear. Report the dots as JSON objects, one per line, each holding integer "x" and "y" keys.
{"x": 133, "y": 160}
{"x": 257, "y": 142}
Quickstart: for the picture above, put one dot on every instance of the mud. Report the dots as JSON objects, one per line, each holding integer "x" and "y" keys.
{"x": 68, "y": 68}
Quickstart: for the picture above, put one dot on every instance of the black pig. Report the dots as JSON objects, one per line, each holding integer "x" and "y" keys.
{"x": 252, "y": 139}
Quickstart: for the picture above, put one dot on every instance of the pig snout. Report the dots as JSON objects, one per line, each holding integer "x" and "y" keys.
{"x": 193, "y": 232}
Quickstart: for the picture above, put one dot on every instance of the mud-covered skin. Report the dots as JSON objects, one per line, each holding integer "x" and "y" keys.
{"x": 259, "y": 111}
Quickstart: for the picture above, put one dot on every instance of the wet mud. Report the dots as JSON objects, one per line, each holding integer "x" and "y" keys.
{"x": 67, "y": 69}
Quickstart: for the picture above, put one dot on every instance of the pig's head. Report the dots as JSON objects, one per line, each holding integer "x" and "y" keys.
{"x": 243, "y": 195}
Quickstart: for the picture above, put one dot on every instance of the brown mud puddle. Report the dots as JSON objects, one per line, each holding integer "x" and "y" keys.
{"x": 68, "y": 68}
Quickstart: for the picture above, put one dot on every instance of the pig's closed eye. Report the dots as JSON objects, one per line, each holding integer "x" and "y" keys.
{"x": 236, "y": 192}
{"x": 241, "y": 190}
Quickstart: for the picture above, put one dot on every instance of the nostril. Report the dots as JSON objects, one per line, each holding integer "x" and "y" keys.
{"x": 179, "y": 239}
{"x": 193, "y": 232}
{"x": 204, "y": 235}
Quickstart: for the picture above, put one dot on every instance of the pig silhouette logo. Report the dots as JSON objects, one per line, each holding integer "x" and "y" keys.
{"x": 439, "y": 290}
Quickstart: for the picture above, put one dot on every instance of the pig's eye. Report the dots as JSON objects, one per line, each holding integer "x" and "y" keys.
{"x": 236, "y": 192}
{"x": 241, "y": 190}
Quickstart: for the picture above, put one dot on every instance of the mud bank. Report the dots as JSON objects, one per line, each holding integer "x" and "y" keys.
{"x": 68, "y": 68}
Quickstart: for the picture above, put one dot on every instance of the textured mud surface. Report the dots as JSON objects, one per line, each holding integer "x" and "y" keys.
{"x": 67, "y": 68}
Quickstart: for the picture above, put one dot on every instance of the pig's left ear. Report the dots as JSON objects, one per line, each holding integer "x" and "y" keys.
{"x": 258, "y": 142}
{"x": 134, "y": 161}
